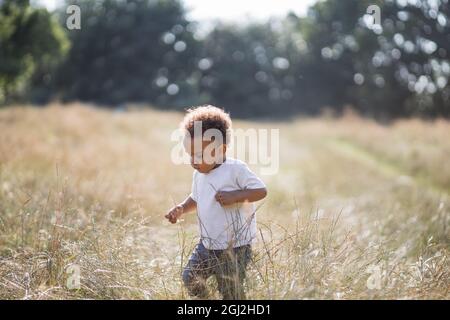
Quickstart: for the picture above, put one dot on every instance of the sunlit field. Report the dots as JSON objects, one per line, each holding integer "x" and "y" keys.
{"x": 358, "y": 210}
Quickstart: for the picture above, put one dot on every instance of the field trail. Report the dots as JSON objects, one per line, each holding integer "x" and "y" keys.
{"x": 387, "y": 168}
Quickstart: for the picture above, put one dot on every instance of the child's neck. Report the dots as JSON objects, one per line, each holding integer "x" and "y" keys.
{"x": 218, "y": 164}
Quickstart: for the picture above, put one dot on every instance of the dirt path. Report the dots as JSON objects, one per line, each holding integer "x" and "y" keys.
{"x": 387, "y": 168}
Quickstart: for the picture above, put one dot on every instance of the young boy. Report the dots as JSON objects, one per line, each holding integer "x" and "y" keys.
{"x": 223, "y": 190}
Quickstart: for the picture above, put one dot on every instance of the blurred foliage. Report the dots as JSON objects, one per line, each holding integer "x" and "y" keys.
{"x": 32, "y": 44}
{"x": 398, "y": 68}
{"x": 336, "y": 56}
{"x": 130, "y": 51}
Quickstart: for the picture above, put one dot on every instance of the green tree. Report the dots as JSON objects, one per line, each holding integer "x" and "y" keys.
{"x": 31, "y": 41}
{"x": 242, "y": 69}
{"x": 142, "y": 51}
{"x": 397, "y": 68}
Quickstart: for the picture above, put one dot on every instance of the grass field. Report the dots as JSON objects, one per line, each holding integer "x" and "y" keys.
{"x": 358, "y": 210}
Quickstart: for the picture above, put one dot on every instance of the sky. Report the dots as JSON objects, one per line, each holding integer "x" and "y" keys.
{"x": 230, "y": 10}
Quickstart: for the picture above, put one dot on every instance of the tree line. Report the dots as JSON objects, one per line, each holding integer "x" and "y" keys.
{"x": 147, "y": 51}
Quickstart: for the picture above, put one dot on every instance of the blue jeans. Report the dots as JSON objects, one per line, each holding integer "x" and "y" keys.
{"x": 228, "y": 266}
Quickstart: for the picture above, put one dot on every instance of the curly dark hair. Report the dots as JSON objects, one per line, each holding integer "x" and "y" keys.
{"x": 211, "y": 117}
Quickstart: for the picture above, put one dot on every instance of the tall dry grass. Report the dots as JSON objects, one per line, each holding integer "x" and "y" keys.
{"x": 357, "y": 210}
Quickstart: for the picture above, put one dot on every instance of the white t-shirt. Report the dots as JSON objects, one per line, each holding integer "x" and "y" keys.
{"x": 229, "y": 226}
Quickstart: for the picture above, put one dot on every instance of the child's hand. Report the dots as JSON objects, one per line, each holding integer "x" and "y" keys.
{"x": 226, "y": 198}
{"x": 174, "y": 213}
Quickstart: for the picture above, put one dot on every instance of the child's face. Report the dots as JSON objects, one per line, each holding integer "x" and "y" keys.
{"x": 204, "y": 154}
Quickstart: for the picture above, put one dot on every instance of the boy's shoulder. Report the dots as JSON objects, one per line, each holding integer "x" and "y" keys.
{"x": 234, "y": 163}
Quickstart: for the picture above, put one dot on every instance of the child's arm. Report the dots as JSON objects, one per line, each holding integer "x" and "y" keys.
{"x": 226, "y": 198}
{"x": 186, "y": 206}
